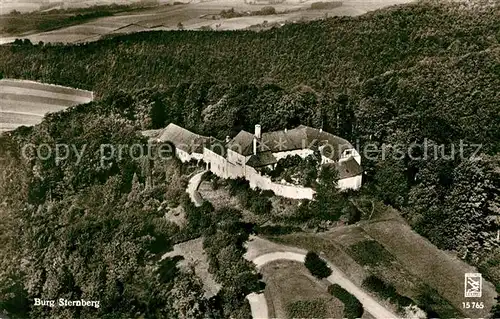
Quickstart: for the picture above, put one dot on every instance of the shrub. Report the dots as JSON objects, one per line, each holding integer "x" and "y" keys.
{"x": 256, "y": 200}
{"x": 267, "y": 11}
{"x": 224, "y": 245}
{"x": 317, "y": 266}
{"x": 215, "y": 184}
{"x": 325, "y": 5}
{"x": 267, "y": 193}
{"x": 435, "y": 306}
{"x": 352, "y": 307}
{"x": 371, "y": 253}
{"x": 386, "y": 291}
{"x": 238, "y": 185}
{"x": 261, "y": 205}
{"x": 495, "y": 311}
{"x": 306, "y": 309}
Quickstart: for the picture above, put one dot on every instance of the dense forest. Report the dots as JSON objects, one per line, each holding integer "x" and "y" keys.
{"x": 425, "y": 76}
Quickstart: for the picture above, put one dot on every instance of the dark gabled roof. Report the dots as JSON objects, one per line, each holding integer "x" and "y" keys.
{"x": 262, "y": 159}
{"x": 216, "y": 146}
{"x": 183, "y": 139}
{"x": 301, "y": 137}
{"x": 348, "y": 168}
{"x": 242, "y": 143}
{"x": 333, "y": 146}
{"x": 281, "y": 141}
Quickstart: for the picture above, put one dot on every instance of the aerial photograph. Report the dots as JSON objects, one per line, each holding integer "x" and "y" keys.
{"x": 249, "y": 159}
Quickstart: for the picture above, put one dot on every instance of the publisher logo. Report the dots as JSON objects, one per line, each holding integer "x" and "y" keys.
{"x": 473, "y": 285}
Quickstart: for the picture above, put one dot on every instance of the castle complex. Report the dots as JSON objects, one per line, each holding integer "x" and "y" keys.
{"x": 246, "y": 154}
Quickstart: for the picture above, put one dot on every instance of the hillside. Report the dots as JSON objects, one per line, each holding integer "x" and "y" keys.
{"x": 423, "y": 77}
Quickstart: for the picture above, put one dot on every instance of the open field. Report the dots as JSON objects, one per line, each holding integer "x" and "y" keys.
{"x": 26, "y": 102}
{"x": 403, "y": 258}
{"x": 41, "y": 5}
{"x": 291, "y": 292}
{"x": 197, "y": 15}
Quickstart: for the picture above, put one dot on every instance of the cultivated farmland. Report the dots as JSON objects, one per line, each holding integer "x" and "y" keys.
{"x": 202, "y": 15}
{"x": 26, "y": 102}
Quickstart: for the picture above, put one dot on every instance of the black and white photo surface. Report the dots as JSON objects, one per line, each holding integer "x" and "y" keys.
{"x": 249, "y": 159}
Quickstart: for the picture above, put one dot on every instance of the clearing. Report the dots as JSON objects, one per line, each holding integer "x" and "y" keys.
{"x": 389, "y": 249}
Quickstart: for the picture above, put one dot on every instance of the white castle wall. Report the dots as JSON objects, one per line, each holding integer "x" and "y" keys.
{"x": 197, "y": 156}
{"x": 217, "y": 163}
{"x": 350, "y": 182}
{"x": 186, "y": 157}
{"x": 262, "y": 182}
{"x": 224, "y": 168}
{"x": 236, "y": 158}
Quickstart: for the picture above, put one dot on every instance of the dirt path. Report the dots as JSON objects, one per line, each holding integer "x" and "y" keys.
{"x": 258, "y": 302}
{"x": 258, "y": 306}
{"x": 192, "y": 189}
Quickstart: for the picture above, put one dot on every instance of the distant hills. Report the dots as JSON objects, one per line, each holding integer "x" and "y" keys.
{"x": 7, "y": 6}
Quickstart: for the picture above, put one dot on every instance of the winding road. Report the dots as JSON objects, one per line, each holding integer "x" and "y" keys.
{"x": 192, "y": 189}
{"x": 258, "y": 302}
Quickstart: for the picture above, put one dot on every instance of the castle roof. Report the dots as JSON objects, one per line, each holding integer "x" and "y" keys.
{"x": 262, "y": 159}
{"x": 301, "y": 137}
{"x": 347, "y": 168}
{"x": 242, "y": 143}
{"x": 183, "y": 139}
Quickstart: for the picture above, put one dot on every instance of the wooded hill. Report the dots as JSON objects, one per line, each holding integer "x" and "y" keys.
{"x": 410, "y": 74}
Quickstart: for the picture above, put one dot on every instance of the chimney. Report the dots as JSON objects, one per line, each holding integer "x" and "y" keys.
{"x": 257, "y": 131}
{"x": 256, "y": 137}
